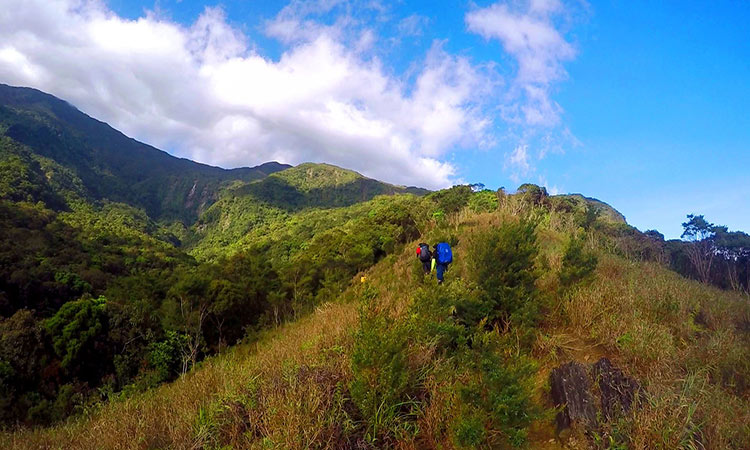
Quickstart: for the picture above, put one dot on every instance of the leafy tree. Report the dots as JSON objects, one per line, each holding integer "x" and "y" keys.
{"x": 452, "y": 200}
{"x": 240, "y": 294}
{"x": 734, "y": 249}
{"x": 7, "y": 390}
{"x": 586, "y": 217}
{"x": 78, "y": 332}
{"x": 166, "y": 356}
{"x": 701, "y": 252}
{"x": 655, "y": 235}
{"x": 186, "y": 309}
{"x": 577, "y": 263}
{"x": 483, "y": 201}
{"x": 22, "y": 360}
{"x": 22, "y": 343}
{"x": 536, "y": 195}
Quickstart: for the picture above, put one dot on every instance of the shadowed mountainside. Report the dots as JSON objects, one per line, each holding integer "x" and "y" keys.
{"x": 111, "y": 165}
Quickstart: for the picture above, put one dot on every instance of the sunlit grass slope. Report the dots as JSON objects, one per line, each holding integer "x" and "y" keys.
{"x": 396, "y": 361}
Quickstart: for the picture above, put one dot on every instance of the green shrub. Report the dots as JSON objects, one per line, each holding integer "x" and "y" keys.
{"x": 166, "y": 356}
{"x": 577, "y": 264}
{"x": 77, "y": 331}
{"x": 502, "y": 386}
{"x": 436, "y": 315}
{"x": 469, "y": 431}
{"x": 502, "y": 263}
{"x": 452, "y": 200}
{"x": 381, "y": 381}
{"x": 585, "y": 217}
{"x": 493, "y": 385}
{"x": 533, "y": 194}
{"x": 484, "y": 201}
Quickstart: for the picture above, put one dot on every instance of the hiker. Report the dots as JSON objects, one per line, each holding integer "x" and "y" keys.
{"x": 443, "y": 256}
{"x": 425, "y": 256}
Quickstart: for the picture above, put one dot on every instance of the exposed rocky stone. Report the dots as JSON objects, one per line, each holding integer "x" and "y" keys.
{"x": 571, "y": 386}
{"x": 571, "y": 389}
{"x": 618, "y": 391}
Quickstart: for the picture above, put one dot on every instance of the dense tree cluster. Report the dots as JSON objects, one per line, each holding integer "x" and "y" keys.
{"x": 121, "y": 266}
{"x": 712, "y": 254}
{"x": 91, "y": 311}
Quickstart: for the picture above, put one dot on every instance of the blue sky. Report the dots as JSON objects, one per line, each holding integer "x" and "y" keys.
{"x": 641, "y": 104}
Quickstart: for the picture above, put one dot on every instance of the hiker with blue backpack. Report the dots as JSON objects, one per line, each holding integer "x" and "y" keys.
{"x": 443, "y": 256}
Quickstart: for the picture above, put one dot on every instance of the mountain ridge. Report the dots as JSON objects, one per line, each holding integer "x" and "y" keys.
{"x": 111, "y": 164}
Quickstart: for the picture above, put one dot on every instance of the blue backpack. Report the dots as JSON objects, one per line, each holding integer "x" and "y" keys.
{"x": 444, "y": 253}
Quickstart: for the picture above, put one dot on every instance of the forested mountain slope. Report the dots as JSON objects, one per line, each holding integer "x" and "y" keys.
{"x": 99, "y": 291}
{"x": 109, "y": 164}
{"x": 248, "y": 213}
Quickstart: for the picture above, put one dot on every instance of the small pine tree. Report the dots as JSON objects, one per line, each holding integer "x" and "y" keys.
{"x": 502, "y": 261}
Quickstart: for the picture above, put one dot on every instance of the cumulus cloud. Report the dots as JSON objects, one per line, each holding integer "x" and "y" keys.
{"x": 202, "y": 91}
{"x": 530, "y": 36}
{"x": 528, "y": 32}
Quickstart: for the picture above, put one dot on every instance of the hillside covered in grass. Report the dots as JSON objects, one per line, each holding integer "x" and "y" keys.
{"x": 389, "y": 359}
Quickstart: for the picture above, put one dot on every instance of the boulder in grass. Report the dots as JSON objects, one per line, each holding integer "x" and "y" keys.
{"x": 618, "y": 391}
{"x": 571, "y": 390}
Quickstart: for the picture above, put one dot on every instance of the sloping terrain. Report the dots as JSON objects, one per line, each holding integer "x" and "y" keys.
{"x": 152, "y": 302}
{"x": 247, "y": 212}
{"x": 397, "y": 361}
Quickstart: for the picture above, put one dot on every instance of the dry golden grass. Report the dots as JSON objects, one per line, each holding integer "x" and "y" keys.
{"x": 683, "y": 340}
{"x": 166, "y": 416}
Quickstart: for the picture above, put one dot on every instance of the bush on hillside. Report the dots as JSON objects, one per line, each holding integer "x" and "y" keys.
{"x": 502, "y": 264}
{"x": 577, "y": 264}
{"x": 381, "y": 378}
{"x": 500, "y": 389}
{"x": 533, "y": 194}
{"x": 483, "y": 201}
{"x": 439, "y": 315}
{"x": 453, "y": 200}
{"x": 586, "y": 216}
{"x": 491, "y": 388}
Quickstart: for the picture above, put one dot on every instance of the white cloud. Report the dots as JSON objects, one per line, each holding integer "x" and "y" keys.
{"x": 201, "y": 91}
{"x": 530, "y": 36}
{"x": 412, "y": 25}
{"x": 527, "y": 31}
{"x": 518, "y": 161}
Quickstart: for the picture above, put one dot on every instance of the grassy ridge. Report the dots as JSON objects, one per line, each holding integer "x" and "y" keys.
{"x": 686, "y": 342}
